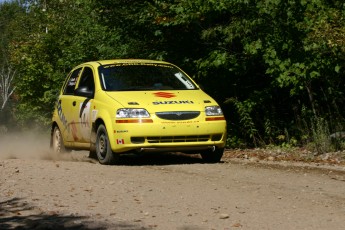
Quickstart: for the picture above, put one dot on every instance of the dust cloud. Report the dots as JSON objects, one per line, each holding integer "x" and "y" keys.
{"x": 33, "y": 145}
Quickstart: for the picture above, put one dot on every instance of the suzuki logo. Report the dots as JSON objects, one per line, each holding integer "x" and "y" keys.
{"x": 164, "y": 94}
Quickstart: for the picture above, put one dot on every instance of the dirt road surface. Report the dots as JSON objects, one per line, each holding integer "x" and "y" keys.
{"x": 39, "y": 190}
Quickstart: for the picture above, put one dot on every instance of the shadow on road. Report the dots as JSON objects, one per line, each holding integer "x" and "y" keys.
{"x": 159, "y": 159}
{"x": 17, "y": 214}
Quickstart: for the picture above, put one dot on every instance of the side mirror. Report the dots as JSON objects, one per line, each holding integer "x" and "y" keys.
{"x": 83, "y": 91}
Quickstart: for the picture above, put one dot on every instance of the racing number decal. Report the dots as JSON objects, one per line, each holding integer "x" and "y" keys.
{"x": 84, "y": 119}
{"x": 83, "y": 106}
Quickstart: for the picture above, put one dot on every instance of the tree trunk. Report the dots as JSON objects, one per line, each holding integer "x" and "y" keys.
{"x": 311, "y": 98}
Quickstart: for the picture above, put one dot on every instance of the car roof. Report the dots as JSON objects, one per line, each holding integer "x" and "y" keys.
{"x": 118, "y": 61}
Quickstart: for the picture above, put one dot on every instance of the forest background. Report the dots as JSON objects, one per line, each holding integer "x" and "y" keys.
{"x": 276, "y": 67}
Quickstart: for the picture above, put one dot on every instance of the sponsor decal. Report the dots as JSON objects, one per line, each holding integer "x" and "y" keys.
{"x": 74, "y": 131}
{"x": 120, "y": 131}
{"x": 137, "y": 64}
{"x": 72, "y": 81}
{"x": 172, "y": 102}
{"x": 179, "y": 122}
{"x": 164, "y": 94}
{"x": 120, "y": 141}
{"x": 62, "y": 116}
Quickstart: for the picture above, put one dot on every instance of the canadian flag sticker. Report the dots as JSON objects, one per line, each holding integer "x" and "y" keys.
{"x": 120, "y": 141}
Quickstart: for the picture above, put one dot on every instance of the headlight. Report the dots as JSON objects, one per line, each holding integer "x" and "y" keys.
{"x": 132, "y": 113}
{"x": 213, "y": 111}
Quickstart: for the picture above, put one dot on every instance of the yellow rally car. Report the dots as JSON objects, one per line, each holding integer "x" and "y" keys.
{"x": 123, "y": 106}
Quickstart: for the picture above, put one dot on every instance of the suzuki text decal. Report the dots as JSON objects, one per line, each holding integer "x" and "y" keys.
{"x": 164, "y": 94}
{"x": 172, "y": 102}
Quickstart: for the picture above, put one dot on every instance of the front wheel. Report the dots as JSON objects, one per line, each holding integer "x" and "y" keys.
{"x": 212, "y": 156}
{"x": 103, "y": 149}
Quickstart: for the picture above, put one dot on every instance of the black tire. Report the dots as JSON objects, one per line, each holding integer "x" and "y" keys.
{"x": 212, "y": 156}
{"x": 57, "y": 141}
{"x": 103, "y": 149}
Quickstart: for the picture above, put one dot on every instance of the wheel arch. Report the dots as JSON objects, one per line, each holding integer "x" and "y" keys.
{"x": 100, "y": 121}
{"x": 105, "y": 117}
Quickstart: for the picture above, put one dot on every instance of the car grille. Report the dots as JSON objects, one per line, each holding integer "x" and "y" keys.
{"x": 178, "y": 115}
{"x": 174, "y": 139}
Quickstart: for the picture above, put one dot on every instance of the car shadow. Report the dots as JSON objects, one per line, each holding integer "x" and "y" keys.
{"x": 17, "y": 214}
{"x": 159, "y": 159}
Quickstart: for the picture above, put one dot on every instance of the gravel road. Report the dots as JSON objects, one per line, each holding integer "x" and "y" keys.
{"x": 41, "y": 191}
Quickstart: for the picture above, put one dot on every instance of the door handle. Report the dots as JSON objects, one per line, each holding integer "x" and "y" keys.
{"x": 74, "y": 103}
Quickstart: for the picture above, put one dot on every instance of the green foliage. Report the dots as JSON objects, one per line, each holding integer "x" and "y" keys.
{"x": 245, "y": 111}
{"x": 61, "y": 36}
{"x": 321, "y": 141}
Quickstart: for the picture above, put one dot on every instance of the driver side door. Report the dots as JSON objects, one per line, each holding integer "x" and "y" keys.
{"x": 65, "y": 108}
{"x": 82, "y": 106}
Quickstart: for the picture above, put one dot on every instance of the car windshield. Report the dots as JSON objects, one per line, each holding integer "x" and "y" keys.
{"x": 143, "y": 76}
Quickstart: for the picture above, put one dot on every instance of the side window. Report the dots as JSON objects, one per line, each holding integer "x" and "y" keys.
{"x": 72, "y": 81}
{"x": 86, "y": 79}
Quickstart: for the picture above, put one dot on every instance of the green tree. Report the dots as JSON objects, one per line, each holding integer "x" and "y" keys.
{"x": 272, "y": 64}
{"x": 266, "y": 50}
{"x": 59, "y": 35}
{"x": 9, "y": 12}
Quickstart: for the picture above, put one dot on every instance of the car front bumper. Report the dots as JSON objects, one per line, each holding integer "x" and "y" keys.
{"x": 169, "y": 136}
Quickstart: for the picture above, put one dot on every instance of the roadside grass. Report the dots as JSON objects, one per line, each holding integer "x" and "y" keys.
{"x": 292, "y": 154}
{"x": 315, "y": 144}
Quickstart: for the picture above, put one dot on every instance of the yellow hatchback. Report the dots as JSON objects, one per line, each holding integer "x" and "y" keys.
{"x": 114, "y": 107}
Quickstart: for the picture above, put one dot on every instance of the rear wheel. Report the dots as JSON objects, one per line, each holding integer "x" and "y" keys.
{"x": 212, "y": 156}
{"x": 57, "y": 141}
{"x": 103, "y": 149}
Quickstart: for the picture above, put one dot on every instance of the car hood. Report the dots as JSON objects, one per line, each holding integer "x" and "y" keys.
{"x": 173, "y": 100}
